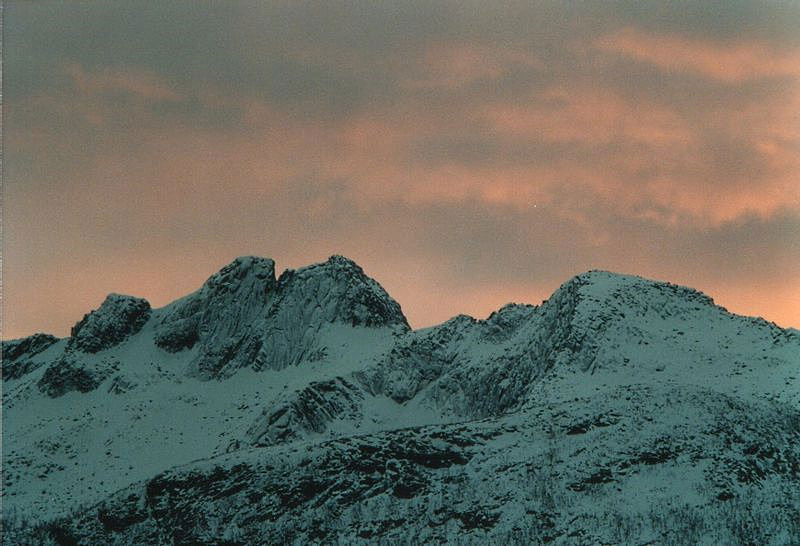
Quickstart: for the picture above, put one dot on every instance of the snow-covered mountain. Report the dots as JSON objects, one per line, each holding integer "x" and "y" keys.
{"x": 304, "y": 408}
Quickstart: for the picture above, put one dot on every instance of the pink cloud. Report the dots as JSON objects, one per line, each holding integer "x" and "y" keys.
{"x": 562, "y": 114}
{"x": 652, "y": 138}
{"x": 449, "y": 66}
{"x": 730, "y": 62}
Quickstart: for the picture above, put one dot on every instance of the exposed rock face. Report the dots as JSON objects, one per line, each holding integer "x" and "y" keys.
{"x": 224, "y": 309}
{"x": 334, "y": 292}
{"x": 337, "y": 290}
{"x": 26, "y": 347}
{"x": 418, "y": 360}
{"x": 17, "y": 354}
{"x": 243, "y": 317}
{"x": 70, "y": 374}
{"x": 307, "y": 411}
{"x": 224, "y": 318}
{"x": 118, "y": 318}
{"x": 468, "y": 368}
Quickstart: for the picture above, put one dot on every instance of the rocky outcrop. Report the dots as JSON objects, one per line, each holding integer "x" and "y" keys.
{"x": 222, "y": 320}
{"x": 418, "y": 359}
{"x": 18, "y": 354}
{"x": 244, "y": 317}
{"x": 226, "y": 307}
{"x": 118, "y": 318}
{"x": 337, "y": 290}
{"x": 71, "y": 374}
{"x": 315, "y": 297}
{"x": 307, "y": 411}
{"x": 76, "y": 368}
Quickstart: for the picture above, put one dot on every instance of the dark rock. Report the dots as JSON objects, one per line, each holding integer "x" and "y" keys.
{"x": 118, "y": 318}
{"x": 16, "y": 354}
{"x": 69, "y": 375}
{"x": 477, "y": 519}
{"x": 119, "y": 517}
{"x": 306, "y": 411}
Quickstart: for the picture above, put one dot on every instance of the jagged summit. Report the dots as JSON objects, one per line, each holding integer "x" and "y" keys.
{"x": 228, "y": 303}
{"x": 244, "y": 312}
{"x": 339, "y": 263}
{"x": 316, "y": 298}
{"x": 244, "y": 317}
{"x": 116, "y": 319}
{"x": 345, "y": 292}
{"x": 242, "y": 269}
{"x": 221, "y": 319}
{"x": 17, "y": 354}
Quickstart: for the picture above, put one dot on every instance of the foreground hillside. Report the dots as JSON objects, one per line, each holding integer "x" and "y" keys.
{"x": 303, "y": 408}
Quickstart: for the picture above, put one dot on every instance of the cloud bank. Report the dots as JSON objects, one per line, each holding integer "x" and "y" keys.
{"x": 466, "y": 156}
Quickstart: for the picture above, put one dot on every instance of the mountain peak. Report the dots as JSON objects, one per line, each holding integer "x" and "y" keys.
{"x": 242, "y": 316}
{"x": 226, "y": 306}
{"x": 338, "y": 290}
{"x": 607, "y": 286}
{"x": 608, "y": 373}
{"x": 338, "y": 260}
{"x": 17, "y": 354}
{"x": 242, "y": 268}
{"x": 337, "y": 266}
{"x": 117, "y": 318}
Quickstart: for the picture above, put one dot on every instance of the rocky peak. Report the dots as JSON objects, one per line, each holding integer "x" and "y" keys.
{"x": 337, "y": 290}
{"x": 115, "y": 320}
{"x": 243, "y": 317}
{"x": 507, "y": 319}
{"x": 598, "y": 297}
{"x": 601, "y": 309}
{"x": 227, "y": 304}
{"x": 316, "y": 297}
{"x": 242, "y": 272}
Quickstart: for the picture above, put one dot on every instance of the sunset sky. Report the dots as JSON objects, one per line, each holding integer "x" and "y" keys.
{"x": 466, "y": 154}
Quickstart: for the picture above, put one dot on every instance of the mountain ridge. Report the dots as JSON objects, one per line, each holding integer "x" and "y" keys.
{"x": 340, "y": 259}
{"x": 253, "y": 367}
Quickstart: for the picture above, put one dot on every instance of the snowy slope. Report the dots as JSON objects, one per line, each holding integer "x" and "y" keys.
{"x": 565, "y": 421}
{"x": 635, "y": 465}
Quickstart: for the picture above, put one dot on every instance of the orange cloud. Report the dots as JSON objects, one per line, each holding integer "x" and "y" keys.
{"x": 271, "y": 175}
{"x": 655, "y": 164}
{"x": 139, "y": 83}
{"x": 732, "y": 62}
{"x": 567, "y": 115}
{"x": 447, "y": 65}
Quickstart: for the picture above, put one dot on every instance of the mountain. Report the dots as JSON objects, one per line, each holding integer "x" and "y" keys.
{"x": 303, "y": 408}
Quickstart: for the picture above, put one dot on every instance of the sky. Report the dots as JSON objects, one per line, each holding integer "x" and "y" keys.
{"x": 465, "y": 154}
